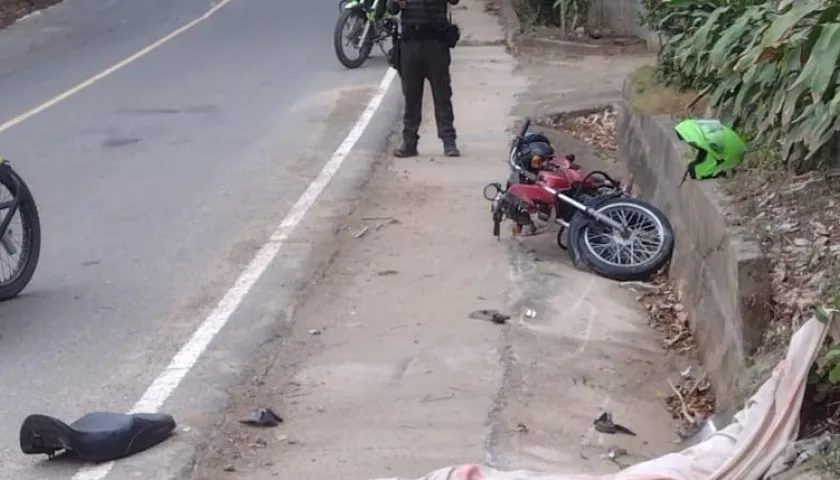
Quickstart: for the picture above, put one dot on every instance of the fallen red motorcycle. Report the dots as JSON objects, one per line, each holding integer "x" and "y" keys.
{"x": 612, "y": 233}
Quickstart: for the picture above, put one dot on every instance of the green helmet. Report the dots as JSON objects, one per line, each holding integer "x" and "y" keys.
{"x": 719, "y": 148}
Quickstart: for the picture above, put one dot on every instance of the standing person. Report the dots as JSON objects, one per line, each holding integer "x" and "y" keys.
{"x": 427, "y": 36}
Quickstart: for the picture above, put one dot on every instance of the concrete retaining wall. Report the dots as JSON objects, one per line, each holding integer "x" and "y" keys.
{"x": 723, "y": 279}
{"x": 622, "y": 17}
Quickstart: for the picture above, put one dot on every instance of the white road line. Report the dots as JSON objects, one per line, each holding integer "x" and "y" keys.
{"x": 186, "y": 358}
{"x": 110, "y": 70}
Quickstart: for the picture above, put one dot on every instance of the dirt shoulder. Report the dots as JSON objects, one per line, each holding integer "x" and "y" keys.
{"x": 11, "y": 10}
{"x": 385, "y": 374}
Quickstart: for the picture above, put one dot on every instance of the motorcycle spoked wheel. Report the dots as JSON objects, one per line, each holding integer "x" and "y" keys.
{"x": 345, "y": 18}
{"x": 14, "y": 280}
{"x": 639, "y": 255}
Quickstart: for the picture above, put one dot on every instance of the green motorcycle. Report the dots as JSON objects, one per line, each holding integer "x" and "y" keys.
{"x": 361, "y": 24}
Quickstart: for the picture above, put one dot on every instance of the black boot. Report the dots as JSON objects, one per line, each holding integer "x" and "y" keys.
{"x": 406, "y": 150}
{"x": 450, "y": 149}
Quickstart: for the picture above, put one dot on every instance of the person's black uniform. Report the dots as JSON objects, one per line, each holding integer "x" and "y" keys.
{"x": 424, "y": 54}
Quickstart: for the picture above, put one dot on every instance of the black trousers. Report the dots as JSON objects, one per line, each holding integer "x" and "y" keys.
{"x": 421, "y": 60}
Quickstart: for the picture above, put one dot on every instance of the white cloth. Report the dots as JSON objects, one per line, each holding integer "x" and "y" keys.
{"x": 742, "y": 451}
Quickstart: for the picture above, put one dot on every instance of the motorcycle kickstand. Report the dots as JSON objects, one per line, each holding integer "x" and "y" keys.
{"x": 560, "y": 239}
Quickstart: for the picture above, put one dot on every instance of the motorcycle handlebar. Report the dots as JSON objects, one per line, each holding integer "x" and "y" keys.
{"x": 517, "y": 168}
{"x": 512, "y": 158}
{"x": 516, "y": 143}
{"x": 525, "y": 126}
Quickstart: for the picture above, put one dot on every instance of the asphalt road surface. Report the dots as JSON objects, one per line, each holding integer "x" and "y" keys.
{"x": 156, "y": 185}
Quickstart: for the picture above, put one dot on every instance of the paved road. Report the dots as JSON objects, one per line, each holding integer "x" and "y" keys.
{"x": 156, "y": 185}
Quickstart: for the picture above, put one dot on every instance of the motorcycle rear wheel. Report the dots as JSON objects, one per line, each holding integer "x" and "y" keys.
{"x": 637, "y": 256}
{"x": 23, "y": 268}
{"x": 344, "y": 19}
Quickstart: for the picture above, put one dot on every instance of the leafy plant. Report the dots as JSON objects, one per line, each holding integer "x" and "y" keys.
{"x": 769, "y": 67}
{"x": 651, "y": 12}
{"x": 550, "y": 12}
{"x": 826, "y": 375}
{"x": 574, "y": 10}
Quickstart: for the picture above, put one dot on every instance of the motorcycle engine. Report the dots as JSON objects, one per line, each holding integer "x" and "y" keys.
{"x": 515, "y": 209}
{"x": 530, "y": 219}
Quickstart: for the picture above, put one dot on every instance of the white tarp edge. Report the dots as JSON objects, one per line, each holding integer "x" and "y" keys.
{"x": 742, "y": 451}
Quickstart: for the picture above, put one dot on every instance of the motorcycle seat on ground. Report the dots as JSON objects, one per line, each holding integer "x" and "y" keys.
{"x": 97, "y": 436}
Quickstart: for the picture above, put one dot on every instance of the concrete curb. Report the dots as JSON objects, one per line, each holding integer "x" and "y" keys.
{"x": 580, "y": 112}
{"x": 579, "y": 48}
{"x": 723, "y": 278}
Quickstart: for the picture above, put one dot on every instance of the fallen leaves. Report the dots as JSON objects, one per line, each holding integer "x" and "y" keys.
{"x": 691, "y": 401}
{"x": 667, "y": 315}
{"x": 595, "y": 128}
{"x": 798, "y": 222}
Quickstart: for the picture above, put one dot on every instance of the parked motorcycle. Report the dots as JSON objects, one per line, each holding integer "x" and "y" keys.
{"x": 18, "y": 256}
{"x": 614, "y": 234}
{"x": 367, "y": 23}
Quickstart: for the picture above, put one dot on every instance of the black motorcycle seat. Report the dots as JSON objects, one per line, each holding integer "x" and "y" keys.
{"x": 535, "y": 137}
{"x": 97, "y": 436}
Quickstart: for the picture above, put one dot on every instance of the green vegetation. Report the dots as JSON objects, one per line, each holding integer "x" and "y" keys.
{"x": 549, "y": 12}
{"x": 654, "y": 99}
{"x": 824, "y": 381}
{"x": 769, "y": 68}
{"x": 827, "y": 373}
{"x": 829, "y": 462}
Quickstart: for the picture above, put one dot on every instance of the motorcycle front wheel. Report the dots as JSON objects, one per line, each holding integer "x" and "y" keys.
{"x": 348, "y": 31}
{"x": 634, "y": 255}
{"x": 20, "y": 244}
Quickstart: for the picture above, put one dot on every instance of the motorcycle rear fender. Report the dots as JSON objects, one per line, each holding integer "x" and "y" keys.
{"x": 532, "y": 194}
